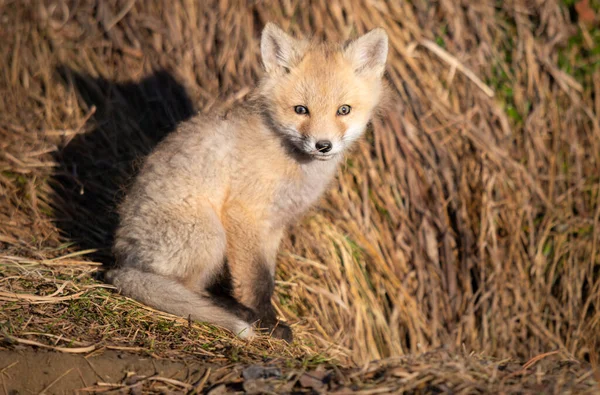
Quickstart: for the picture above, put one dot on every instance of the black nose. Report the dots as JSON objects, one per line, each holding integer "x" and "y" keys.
{"x": 323, "y": 146}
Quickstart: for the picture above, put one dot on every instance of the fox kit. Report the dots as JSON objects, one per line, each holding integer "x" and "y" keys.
{"x": 201, "y": 225}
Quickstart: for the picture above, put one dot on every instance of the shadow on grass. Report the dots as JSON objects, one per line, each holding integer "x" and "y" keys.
{"x": 95, "y": 167}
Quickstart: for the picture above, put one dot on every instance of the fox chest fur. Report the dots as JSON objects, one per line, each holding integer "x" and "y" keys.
{"x": 294, "y": 196}
{"x": 276, "y": 189}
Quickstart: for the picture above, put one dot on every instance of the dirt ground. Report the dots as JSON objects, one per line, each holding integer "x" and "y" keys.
{"x": 25, "y": 370}
{"x": 38, "y": 371}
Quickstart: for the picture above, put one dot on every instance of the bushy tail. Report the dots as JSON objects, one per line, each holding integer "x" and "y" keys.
{"x": 172, "y": 297}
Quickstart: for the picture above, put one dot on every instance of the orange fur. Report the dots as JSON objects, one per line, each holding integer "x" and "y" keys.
{"x": 202, "y": 223}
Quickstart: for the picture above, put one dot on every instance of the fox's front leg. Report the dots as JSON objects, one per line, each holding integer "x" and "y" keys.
{"x": 251, "y": 254}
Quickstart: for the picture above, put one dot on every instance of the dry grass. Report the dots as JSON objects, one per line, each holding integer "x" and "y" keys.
{"x": 468, "y": 219}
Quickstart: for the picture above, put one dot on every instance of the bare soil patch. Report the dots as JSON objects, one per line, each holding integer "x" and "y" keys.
{"x": 33, "y": 371}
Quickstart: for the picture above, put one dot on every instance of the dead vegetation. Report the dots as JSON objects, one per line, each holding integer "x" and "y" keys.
{"x": 468, "y": 220}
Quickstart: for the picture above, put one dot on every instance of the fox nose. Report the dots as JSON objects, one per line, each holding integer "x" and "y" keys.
{"x": 323, "y": 145}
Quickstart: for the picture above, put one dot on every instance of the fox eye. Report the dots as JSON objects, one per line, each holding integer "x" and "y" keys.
{"x": 301, "y": 110}
{"x": 344, "y": 110}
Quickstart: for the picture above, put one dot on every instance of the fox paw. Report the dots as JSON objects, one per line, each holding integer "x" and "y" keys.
{"x": 282, "y": 331}
{"x": 279, "y": 330}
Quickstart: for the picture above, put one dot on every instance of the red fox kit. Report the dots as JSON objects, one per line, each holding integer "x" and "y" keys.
{"x": 201, "y": 225}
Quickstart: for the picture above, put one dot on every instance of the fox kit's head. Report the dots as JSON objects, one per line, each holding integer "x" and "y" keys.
{"x": 320, "y": 97}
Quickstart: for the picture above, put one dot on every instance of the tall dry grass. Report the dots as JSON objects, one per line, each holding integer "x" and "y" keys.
{"x": 468, "y": 218}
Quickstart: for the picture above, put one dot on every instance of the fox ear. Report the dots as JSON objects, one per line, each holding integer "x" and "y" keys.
{"x": 368, "y": 53}
{"x": 278, "y": 49}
